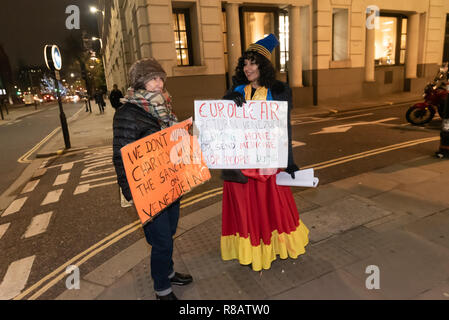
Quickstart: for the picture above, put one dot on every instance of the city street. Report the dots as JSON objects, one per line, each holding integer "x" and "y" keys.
{"x": 19, "y": 137}
{"x": 69, "y": 212}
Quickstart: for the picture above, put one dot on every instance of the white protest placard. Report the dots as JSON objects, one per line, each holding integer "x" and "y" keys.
{"x": 251, "y": 136}
{"x": 303, "y": 178}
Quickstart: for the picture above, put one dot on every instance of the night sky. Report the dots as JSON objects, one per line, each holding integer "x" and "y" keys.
{"x": 27, "y": 25}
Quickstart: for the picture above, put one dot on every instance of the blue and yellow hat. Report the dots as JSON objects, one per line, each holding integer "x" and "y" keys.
{"x": 265, "y": 46}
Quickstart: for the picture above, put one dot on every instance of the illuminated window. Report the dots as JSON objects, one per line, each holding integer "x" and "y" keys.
{"x": 391, "y": 40}
{"x": 283, "y": 40}
{"x": 403, "y": 41}
{"x": 182, "y": 36}
{"x": 340, "y": 32}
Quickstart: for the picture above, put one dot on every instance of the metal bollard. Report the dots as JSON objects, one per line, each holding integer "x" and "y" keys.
{"x": 1, "y": 109}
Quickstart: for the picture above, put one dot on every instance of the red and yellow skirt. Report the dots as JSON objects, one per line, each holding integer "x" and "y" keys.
{"x": 260, "y": 221}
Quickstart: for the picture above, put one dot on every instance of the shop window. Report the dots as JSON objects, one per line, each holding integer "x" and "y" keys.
{"x": 182, "y": 29}
{"x": 258, "y": 25}
{"x": 340, "y": 34}
{"x": 283, "y": 41}
{"x": 403, "y": 41}
{"x": 391, "y": 40}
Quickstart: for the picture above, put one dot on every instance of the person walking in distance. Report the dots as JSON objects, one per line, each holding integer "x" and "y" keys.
{"x": 148, "y": 110}
{"x": 259, "y": 218}
{"x": 100, "y": 100}
{"x": 115, "y": 97}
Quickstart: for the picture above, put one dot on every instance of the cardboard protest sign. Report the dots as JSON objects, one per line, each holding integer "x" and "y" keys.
{"x": 162, "y": 167}
{"x": 252, "y": 136}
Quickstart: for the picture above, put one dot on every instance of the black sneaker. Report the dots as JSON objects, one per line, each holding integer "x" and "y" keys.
{"x": 170, "y": 296}
{"x": 181, "y": 279}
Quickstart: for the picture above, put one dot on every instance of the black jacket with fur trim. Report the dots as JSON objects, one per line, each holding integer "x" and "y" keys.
{"x": 280, "y": 91}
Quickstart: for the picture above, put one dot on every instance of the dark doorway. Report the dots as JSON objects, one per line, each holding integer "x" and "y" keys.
{"x": 446, "y": 41}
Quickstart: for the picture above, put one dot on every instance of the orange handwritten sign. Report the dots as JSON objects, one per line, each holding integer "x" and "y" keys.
{"x": 163, "y": 166}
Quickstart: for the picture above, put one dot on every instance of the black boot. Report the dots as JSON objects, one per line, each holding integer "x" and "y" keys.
{"x": 170, "y": 296}
{"x": 180, "y": 279}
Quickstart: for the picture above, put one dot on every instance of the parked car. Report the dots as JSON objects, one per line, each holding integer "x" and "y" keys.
{"x": 28, "y": 99}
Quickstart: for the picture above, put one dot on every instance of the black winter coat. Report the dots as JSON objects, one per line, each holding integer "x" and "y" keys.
{"x": 280, "y": 91}
{"x": 130, "y": 123}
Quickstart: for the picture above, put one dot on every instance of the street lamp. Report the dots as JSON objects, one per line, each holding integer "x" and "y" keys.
{"x": 101, "y": 41}
{"x": 95, "y": 10}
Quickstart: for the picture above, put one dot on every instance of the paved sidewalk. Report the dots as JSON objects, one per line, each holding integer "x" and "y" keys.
{"x": 395, "y": 218}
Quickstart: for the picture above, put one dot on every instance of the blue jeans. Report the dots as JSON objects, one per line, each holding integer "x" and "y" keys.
{"x": 159, "y": 234}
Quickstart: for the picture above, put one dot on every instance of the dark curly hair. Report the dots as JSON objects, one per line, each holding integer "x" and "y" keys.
{"x": 266, "y": 69}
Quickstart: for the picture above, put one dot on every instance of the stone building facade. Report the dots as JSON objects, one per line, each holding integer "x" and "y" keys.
{"x": 331, "y": 50}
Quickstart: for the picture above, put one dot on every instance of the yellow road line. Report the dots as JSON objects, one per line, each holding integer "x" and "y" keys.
{"x": 24, "y": 158}
{"x": 203, "y": 198}
{"x": 82, "y": 261}
{"x": 199, "y": 195}
{"x": 71, "y": 261}
{"x": 121, "y": 233}
{"x": 369, "y": 152}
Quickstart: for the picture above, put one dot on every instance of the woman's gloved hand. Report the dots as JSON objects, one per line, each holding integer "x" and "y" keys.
{"x": 236, "y": 97}
{"x": 291, "y": 169}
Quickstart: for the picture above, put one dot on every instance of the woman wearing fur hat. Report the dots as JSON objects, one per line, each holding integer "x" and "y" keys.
{"x": 260, "y": 219}
{"x": 147, "y": 109}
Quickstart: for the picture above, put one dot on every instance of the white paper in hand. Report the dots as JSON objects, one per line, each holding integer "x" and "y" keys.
{"x": 303, "y": 178}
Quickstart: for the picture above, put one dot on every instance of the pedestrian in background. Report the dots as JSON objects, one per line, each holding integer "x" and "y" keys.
{"x": 100, "y": 100}
{"x": 259, "y": 218}
{"x": 115, "y": 97}
{"x": 148, "y": 110}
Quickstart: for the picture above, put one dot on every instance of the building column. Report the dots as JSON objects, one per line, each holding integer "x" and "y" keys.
{"x": 233, "y": 29}
{"x": 369, "y": 54}
{"x": 295, "y": 50}
{"x": 411, "y": 53}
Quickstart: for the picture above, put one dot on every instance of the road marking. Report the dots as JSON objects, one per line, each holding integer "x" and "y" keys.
{"x": 24, "y": 158}
{"x": 200, "y": 195}
{"x": 201, "y": 199}
{"x": 61, "y": 179}
{"x": 15, "y": 206}
{"x": 67, "y": 166}
{"x": 52, "y": 197}
{"x": 369, "y": 153}
{"x": 16, "y": 278}
{"x": 346, "y": 127}
{"x": 83, "y": 188}
{"x": 121, "y": 233}
{"x": 296, "y": 121}
{"x": 131, "y": 227}
{"x": 38, "y": 225}
{"x": 30, "y": 186}
{"x": 99, "y": 179}
{"x": 43, "y": 164}
{"x": 96, "y": 173}
{"x": 3, "y": 229}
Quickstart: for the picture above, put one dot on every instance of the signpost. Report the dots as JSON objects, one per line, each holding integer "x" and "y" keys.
{"x": 53, "y": 60}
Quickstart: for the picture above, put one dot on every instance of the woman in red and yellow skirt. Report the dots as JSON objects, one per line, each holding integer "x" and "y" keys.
{"x": 260, "y": 219}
